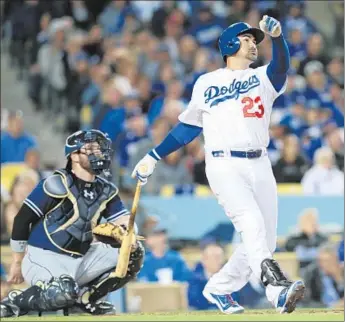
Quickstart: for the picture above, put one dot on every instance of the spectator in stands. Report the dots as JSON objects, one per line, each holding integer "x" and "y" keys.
{"x": 113, "y": 17}
{"x": 324, "y": 280}
{"x": 160, "y": 16}
{"x": 53, "y": 66}
{"x": 212, "y": 260}
{"x": 317, "y": 92}
{"x": 297, "y": 19}
{"x": 291, "y": 167}
{"x": 295, "y": 121}
{"x": 14, "y": 141}
{"x": 108, "y": 115}
{"x": 297, "y": 48}
{"x": 21, "y": 188}
{"x": 162, "y": 264}
{"x": 91, "y": 95}
{"x": 315, "y": 52}
{"x": 238, "y": 11}
{"x": 161, "y": 105}
{"x": 335, "y": 141}
{"x": 33, "y": 161}
{"x": 206, "y": 28}
{"x": 81, "y": 16}
{"x": 187, "y": 51}
{"x": 173, "y": 32}
{"x": 335, "y": 70}
{"x": 307, "y": 240}
{"x": 34, "y": 79}
{"x": 323, "y": 178}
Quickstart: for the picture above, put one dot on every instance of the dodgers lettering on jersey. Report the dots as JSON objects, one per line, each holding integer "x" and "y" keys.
{"x": 233, "y": 91}
{"x": 233, "y": 107}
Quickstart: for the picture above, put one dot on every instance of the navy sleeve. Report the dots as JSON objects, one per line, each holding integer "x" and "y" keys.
{"x": 180, "y": 135}
{"x": 115, "y": 209}
{"x": 280, "y": 63}
{"x": 38, "y": 201}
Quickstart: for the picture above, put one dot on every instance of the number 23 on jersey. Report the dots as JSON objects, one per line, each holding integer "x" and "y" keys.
{"x": 253, "y": 107}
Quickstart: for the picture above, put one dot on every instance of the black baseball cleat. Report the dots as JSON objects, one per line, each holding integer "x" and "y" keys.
{"x": 98, "y": 308}
{"x": 8, "y": 308}
{"x": 5, "y": 311}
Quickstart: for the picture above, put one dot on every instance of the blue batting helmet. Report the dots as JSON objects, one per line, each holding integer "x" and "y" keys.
{"x": 229, "y": 43}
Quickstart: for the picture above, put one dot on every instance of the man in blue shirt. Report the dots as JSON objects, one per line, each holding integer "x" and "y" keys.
{"x": 207, "y": 28}
{"x": 161, "y": 264}
{"x": 213, "y": 258}
{"x": 15, "y": 142}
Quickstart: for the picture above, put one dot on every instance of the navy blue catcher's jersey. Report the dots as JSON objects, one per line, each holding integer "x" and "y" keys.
{"x": 41, "y": 205}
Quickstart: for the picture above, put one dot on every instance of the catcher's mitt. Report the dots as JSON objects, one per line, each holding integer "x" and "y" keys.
{"x": 111, "y": 234}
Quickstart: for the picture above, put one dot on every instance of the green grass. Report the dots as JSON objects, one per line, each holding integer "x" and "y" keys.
{"x": 262, "y": 315}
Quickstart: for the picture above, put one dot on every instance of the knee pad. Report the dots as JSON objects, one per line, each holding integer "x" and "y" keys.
{"x": 62, "y": 292}
{"x": 111, "y": 284}
{"x": 272, "y": 274}
{"x": 59, "y": 293}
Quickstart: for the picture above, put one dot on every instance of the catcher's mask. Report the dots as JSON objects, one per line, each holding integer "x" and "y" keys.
{"x": 95, "y": 144}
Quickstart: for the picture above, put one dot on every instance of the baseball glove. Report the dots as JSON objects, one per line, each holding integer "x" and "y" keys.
{"x": 111, "y": 234}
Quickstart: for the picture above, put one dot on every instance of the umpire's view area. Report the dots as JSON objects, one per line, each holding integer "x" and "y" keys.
{"x": 172, "y": 160}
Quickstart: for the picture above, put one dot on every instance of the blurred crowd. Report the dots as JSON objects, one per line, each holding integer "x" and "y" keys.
{"x": 128, "y": 69}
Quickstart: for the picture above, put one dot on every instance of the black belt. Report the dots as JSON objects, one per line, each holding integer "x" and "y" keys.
{"x": 250, "y": 154}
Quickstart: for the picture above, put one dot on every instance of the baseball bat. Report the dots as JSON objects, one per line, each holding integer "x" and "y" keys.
{"x": 125, "y": 250}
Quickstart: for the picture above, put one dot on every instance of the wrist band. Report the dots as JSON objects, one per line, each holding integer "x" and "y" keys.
{"x": 18, "y": 246}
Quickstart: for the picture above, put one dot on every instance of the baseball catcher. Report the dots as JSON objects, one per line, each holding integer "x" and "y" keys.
{"x": 59, "y": 246}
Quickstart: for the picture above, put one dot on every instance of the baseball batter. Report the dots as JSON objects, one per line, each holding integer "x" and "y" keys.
{"x": 52, "y": 240}
{"x": 232, "y": 107}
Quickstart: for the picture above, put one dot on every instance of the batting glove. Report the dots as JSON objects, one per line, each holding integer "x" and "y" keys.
{"x": 144, "y": 169}
{"x": 270, "y": 26}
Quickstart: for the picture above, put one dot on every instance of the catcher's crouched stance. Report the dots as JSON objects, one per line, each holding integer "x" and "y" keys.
{"x": 59, "y": 246}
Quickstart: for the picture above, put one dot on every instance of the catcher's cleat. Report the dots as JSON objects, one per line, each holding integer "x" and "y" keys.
{"x": 5, "y": 311}
{"x": 8, "y": 308}
{"x": 98, "y": 308}
{"x": 94, "y": 307}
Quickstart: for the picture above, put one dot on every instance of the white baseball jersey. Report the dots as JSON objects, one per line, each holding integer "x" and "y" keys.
{"x": 233, "y": 107}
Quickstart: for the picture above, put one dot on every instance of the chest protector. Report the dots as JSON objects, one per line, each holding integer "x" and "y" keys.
{"x": 69, "y": 224}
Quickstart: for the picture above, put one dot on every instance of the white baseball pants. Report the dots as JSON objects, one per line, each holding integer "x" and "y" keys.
{"x": 247, "y": 190}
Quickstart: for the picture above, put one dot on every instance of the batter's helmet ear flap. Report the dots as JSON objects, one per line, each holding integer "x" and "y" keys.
{"x": 234, "y": 46}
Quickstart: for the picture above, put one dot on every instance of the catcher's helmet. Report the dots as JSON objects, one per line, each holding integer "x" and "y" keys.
{"x": 97, "y": 147}
{"x": 229, "y": 43}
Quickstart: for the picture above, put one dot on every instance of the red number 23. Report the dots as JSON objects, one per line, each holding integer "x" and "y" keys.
{"x": 249, "y": 104}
